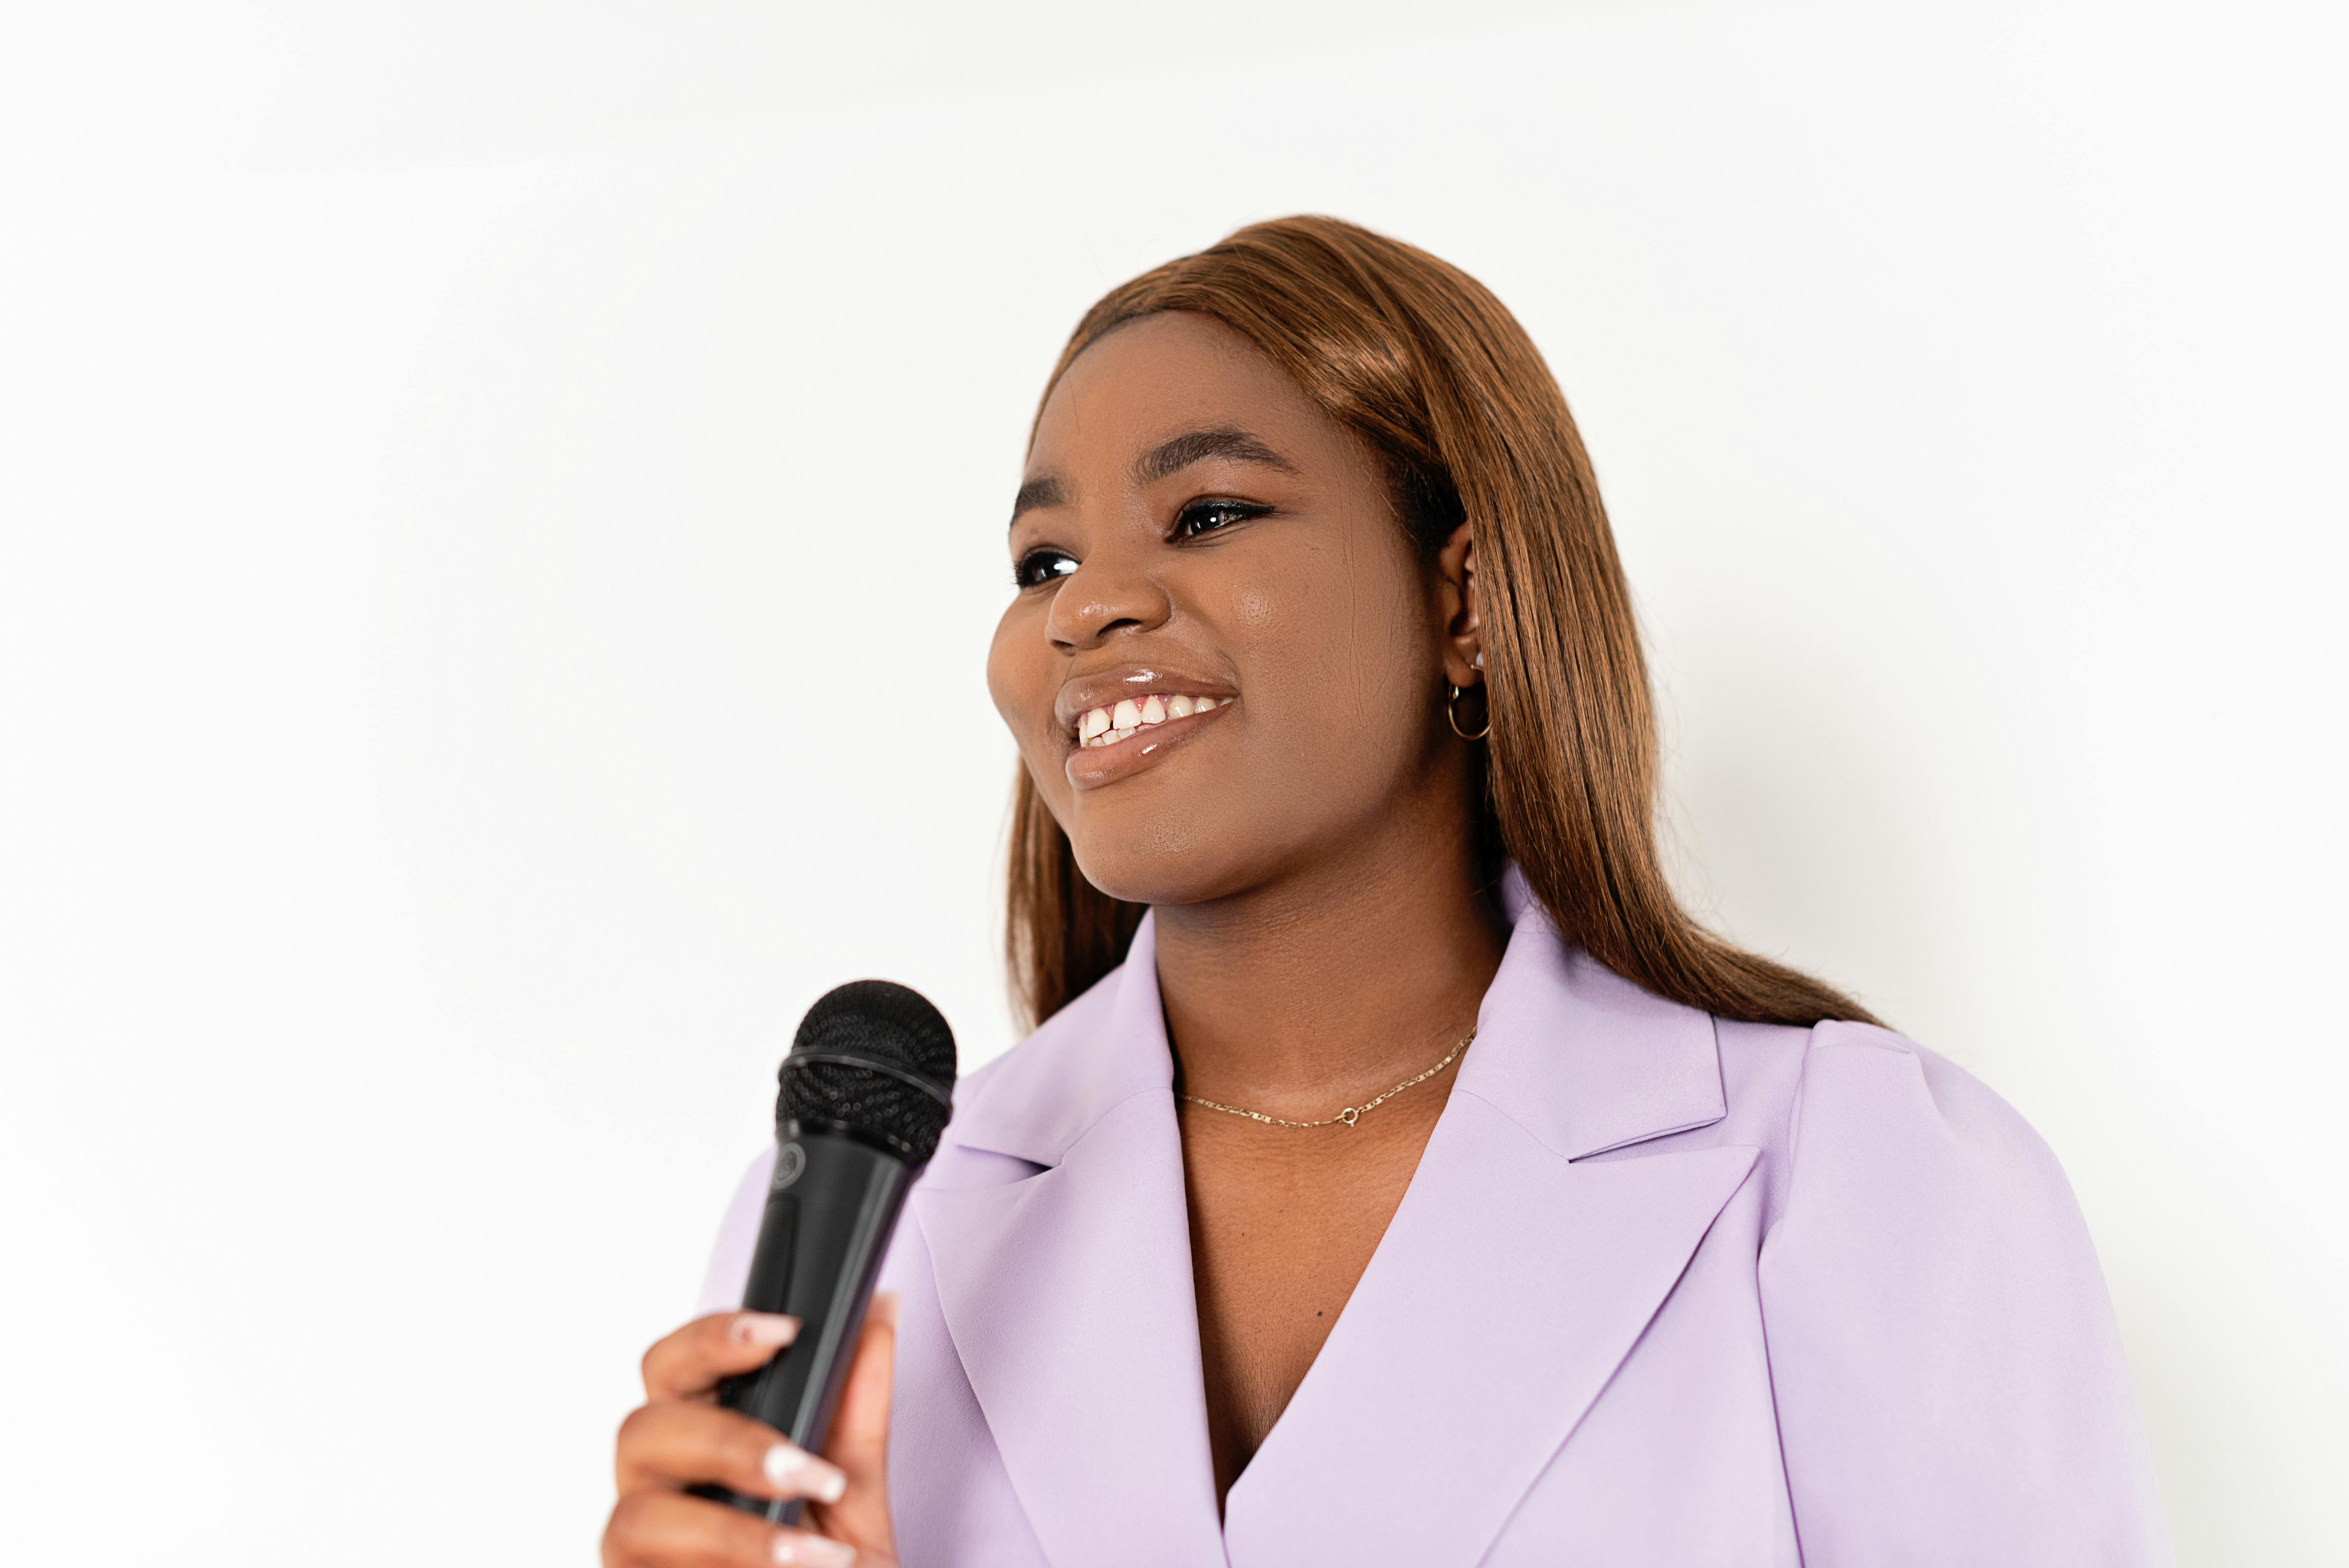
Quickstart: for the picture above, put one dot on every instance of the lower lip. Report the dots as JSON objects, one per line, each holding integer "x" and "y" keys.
{"x": 1091, "y": 767}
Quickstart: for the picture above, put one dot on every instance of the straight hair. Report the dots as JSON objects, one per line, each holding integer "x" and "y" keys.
{"x": 1425, "y": 365}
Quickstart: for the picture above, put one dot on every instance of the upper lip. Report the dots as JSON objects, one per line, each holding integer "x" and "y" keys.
{"x": 1079, "y": 695}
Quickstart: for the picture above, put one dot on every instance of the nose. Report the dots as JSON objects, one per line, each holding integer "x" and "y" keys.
{"x": 1106, "y": 595}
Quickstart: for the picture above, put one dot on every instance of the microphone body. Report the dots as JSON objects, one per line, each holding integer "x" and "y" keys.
{"x": 866, "y": 1092}
{"x": 831, "y": 1209}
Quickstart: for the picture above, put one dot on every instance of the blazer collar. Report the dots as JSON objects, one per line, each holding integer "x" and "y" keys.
{"x": 1513, "y": 1279}
{"x": 1579, "y": 1057}
{"x": 1510, "y": 1285}
{"x": 1103, "y": 1050}
{"x": 1069, "y": 1295}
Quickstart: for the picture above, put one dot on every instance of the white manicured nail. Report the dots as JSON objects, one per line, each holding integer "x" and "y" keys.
{"x": 812, "y": 1551}
{"x": 793, "y": 1470}
{"x": 764, "y": 1328}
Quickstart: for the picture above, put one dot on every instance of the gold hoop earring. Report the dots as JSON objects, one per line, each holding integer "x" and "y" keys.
{"x": 1451, "y": 715}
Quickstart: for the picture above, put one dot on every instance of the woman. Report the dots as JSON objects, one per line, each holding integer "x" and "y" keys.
{"x": 1397, "y": 1173}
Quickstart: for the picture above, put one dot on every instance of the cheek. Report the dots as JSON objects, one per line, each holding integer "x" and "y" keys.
{"x": 1333, "y": 653}
{"x": 1256, "y": 610}
{"x": 1002, "y": 671}
{"x": 1015, "y": 677}
{"x": 1023, "y": 679}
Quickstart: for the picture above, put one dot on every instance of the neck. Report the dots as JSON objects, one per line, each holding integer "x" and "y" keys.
{"x": 1332, "y": 983}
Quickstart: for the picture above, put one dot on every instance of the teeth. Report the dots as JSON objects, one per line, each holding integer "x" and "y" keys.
{"x": 1108, "y": 726}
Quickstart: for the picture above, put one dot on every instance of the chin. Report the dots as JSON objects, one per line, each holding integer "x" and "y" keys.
{"x": 1181, "y": 858}
{"x": 1146, "y": 873}
{"x": 1165, "y": 862}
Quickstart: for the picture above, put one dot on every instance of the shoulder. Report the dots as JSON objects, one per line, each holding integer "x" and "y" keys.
{"x": 1771, "y": 1073}
{"x": 1891, "y": 1150}
{"x": 1939, "y": 1336}
{"x": 1869, "y": 1096}
{"x": 1848, "y": 1105}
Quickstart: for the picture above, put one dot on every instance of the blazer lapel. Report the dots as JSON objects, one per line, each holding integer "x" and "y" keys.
{"x": 1069, "y": 1295}
{"x": 1512, "y": 1282}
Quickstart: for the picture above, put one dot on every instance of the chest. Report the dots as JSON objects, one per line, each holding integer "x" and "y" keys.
{"x": 1283, "y": 1223}
{"x": 1541, "y": 1365}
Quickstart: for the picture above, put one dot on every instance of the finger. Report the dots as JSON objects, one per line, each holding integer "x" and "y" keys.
{"x": 802, "y": 1550}
{"x": 679, "y": 1445}
{"x": 689, "y": 1364}
{"x": 859, "y": 1443}
{"x": 669, "y": 1530}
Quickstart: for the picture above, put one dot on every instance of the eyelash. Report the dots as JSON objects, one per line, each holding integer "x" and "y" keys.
{"x": 1045, "y": 563}
{"x": 1027, "y": 572}
{"x": 1242, "y": 511}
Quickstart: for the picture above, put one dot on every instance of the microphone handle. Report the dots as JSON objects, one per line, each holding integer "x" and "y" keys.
{"x": 831, "y": 1206}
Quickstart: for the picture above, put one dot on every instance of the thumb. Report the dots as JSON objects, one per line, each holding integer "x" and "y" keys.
{"x": 859, "y": 1440}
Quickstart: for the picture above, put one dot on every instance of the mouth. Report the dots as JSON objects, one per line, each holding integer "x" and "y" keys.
{"x": 1107, "y": 726}
{"x": 1120, "y": 724}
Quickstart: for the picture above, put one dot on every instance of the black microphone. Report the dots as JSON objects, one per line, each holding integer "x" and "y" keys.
{"x": 866, "y": 1091}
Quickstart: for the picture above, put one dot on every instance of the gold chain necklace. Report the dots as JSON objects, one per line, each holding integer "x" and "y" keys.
{"x": 1352, "y": 1113}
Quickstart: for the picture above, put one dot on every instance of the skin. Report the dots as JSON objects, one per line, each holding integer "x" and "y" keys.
{"x": 680, "y": 1438}
{"x": 1190, "y": 522}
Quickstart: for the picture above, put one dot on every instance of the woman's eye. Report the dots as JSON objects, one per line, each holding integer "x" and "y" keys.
{"x": 1041, "y": 566}
{"x": 1207, "y": 515}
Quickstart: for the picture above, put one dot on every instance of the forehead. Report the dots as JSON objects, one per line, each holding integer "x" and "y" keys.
{"x": 1168, "y": 374}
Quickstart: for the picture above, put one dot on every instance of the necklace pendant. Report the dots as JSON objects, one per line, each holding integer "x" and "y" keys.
{"x": 1350, "y": 1115}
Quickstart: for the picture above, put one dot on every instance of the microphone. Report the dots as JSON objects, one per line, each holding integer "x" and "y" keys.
{"x": 866, "y": 1091}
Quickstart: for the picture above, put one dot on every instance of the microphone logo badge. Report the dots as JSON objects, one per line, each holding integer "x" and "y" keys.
{"x": 790, "y": 1160}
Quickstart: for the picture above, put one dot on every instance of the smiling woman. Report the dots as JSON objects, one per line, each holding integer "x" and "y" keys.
{"x": 1380, "y": 365}
{"x": 1396, "y": 1172}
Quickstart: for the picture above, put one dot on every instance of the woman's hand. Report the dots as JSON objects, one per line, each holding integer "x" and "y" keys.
{"x": 680, "y": 1438}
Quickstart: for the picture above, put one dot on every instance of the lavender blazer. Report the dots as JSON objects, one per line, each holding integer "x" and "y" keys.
{"x": 1664, "y": 1290}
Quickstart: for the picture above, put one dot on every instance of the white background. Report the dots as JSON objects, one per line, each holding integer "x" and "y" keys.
{"x": 500, "y": 517}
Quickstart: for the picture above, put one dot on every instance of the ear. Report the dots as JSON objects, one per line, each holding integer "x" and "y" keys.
{"x": 1456, "y": 609}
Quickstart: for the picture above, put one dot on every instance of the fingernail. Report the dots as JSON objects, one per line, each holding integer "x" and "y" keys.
{"x": 795, "y": 1470}
{"x": 812, "y": 1551}
{"x": 884, "y": 1309}
{"x": 764, "y": 1328}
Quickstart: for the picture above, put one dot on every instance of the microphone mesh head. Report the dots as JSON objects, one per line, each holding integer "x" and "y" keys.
{"x": 893, "y": 1028}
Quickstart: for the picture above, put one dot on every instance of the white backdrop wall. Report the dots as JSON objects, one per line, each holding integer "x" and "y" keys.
{"x": 501, "y": 518}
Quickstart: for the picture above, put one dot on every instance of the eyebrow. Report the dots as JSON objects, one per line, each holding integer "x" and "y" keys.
{"x": 1163, "y": 461}
{"x": 1171, "y": 458}
{"x": 1042, "y": 491}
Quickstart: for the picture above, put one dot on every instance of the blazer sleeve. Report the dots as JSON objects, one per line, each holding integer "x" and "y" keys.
{"x": 1948, "y": 1379}
{"x": 737, "y": 1238}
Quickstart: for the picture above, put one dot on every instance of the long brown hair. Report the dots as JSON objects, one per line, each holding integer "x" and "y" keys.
{"x": 1423, "y": 363}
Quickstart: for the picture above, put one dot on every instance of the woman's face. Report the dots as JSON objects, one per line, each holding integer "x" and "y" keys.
{"x": 1224, "y": 660}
